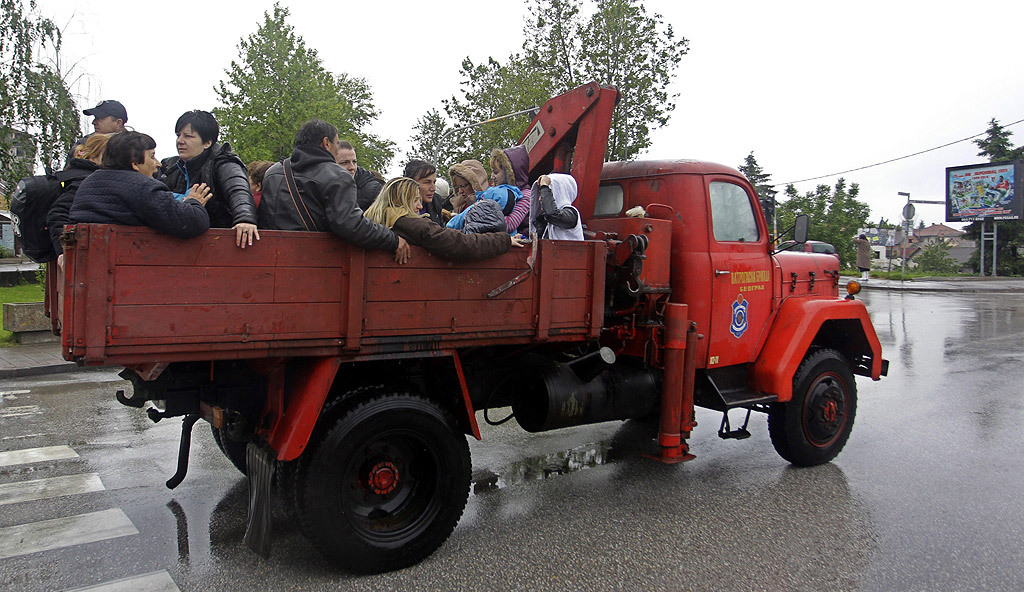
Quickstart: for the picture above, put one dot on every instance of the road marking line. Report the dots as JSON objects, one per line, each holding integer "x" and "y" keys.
{"x": 20, "y": 411}
{"x": 32, "y": 455}
{"x": 22, "y": 437}
{"x": 38, "y": 489}
{"x": 158, "y": 581}
{"x": 11, "y": 394}
{"x": 64, "y": 532}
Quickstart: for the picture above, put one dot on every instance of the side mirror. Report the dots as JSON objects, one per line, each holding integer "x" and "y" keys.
{"x": 800, "y": 228}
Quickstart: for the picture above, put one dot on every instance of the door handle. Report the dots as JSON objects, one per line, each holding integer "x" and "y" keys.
{"x": 719, "y": 272}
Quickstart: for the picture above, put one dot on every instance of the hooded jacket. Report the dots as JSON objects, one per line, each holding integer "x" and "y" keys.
{"x": 327, "y": 196}
{"x": 471, "y": 171}
{"x": 223, "y": 171}
{"x": 501, "y": 194}
{"x": 514, "y": 163}
{"x": 552, "y": 214}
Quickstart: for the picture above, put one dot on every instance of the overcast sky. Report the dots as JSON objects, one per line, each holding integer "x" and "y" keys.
{"x": 812, "y": 88}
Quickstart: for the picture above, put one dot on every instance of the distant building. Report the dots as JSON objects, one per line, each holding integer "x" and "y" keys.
{"x": 890, "y": 243}
{"x": 937, "y": 232}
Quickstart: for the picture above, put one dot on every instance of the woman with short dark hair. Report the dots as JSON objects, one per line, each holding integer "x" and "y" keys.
{"x": 202, "y": 160}
{"x": 125, "y": 192}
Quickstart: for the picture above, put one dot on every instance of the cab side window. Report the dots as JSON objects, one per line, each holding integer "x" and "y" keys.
{"x": 609, "y": 200}
{"x": 732, "y": 215}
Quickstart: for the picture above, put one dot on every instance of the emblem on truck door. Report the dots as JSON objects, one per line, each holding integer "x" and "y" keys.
{"x": 739, "y": 317}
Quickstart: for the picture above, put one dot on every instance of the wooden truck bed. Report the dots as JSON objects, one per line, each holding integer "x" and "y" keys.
{"x": 132, "y": 295}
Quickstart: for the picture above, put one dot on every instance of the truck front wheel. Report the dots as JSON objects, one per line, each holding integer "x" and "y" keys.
{"x": 814, "y": 426}
{"x": 386, "y": 484}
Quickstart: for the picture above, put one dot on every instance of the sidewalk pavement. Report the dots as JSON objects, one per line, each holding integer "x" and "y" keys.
{"x": 33, "y": 360}
{"x": 45, "y": 358}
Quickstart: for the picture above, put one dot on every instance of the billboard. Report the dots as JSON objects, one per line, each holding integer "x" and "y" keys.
{"x": 984, "y": 191}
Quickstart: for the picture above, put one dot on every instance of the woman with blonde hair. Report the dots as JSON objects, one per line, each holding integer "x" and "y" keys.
{"x": 88, "y": 159}
{"x": 397, "y": 207}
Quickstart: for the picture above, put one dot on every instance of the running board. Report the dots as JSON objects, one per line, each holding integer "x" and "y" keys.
{"x": 726, "y": 388}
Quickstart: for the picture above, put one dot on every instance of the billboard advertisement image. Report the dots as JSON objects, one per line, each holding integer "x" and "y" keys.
{"x": 983, "y": 191}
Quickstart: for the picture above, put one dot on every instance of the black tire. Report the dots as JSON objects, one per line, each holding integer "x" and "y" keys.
{"x": 814, "y": 426}
{"x": 385, "y": 485}
{"x": 233, "y": 449}
{"x": 286, "y": 474}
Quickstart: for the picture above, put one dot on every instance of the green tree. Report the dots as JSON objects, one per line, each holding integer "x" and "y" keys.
{"x": 638, "y": 54}
{"x": 431, "y": 142}
{"x": 835, "y": 215}
{"x": 619, "y": 44}
{"x": 38, "y": 115}
{"x": 934, "y": 258}
{"x": 996, "y": 146}
{"x": 278, "y": 83}
{"x": 489, "y": 90}
{"x": 762, "y": 184}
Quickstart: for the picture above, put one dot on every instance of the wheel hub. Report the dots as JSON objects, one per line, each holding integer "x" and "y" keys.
{"x": 831, "y": 411}
{"x": 383, "y": 477}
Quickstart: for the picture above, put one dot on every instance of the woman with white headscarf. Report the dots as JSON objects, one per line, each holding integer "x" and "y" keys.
{"x": 552, "y": 214}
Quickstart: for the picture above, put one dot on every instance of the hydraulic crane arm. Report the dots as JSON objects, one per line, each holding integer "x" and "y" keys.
{"x": 570, "y": 135}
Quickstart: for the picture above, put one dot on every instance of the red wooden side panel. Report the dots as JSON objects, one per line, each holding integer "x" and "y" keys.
{"x": 134, "y": 295}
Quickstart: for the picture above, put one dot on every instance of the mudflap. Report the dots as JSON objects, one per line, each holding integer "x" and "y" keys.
{"x": 259, "y": 460}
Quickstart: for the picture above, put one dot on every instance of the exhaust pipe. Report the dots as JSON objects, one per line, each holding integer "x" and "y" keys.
{"x": 590, "y": 389}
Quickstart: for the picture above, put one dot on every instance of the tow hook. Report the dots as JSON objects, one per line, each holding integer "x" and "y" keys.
{"x": 186, "y": 443}
{"x": 134, "y": 401}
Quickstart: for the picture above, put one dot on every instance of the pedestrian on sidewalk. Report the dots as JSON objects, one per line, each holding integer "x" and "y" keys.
{"x": 863, "y": 257}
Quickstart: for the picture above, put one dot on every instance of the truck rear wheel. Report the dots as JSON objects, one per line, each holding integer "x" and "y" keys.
{"x": 814, "y": 426}
{"x": 385, "y": 485}
{"x": 233, "y": 449}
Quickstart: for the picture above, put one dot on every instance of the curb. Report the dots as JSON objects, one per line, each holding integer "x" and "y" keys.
{"x": 40, "y": 370}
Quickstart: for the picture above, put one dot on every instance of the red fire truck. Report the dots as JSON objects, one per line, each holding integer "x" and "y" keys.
{"x": 348, "y": 384}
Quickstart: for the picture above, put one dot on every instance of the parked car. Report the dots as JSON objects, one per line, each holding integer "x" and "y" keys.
{"x": 811, "y": 246}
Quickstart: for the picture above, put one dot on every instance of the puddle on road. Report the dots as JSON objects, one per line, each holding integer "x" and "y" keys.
{"x": 544, "y": 466}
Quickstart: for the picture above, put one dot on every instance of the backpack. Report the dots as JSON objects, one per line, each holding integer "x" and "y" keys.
{"x": 30, "y": 203}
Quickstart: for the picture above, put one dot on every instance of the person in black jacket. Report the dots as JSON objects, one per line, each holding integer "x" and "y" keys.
{"x": 125, "y": 192}
{"x": 367, "y": 183}
{"x": 202, "y": 160}
{"x": 70, "y": 179}
{"x": 321, "y": 195}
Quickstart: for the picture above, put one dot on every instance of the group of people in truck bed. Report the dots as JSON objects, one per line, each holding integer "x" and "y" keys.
{"x": 118, "y": 180}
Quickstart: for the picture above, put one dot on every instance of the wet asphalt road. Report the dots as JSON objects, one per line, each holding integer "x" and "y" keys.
{"x": 924, "y": 497}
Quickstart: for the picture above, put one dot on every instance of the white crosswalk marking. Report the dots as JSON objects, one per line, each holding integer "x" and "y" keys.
{"x": 37, "y": 489}
{"x": 158, "y": 581}
{"x": 13, "y": 394}
{"x": 31, "y": 455}
{"x": 64, "y": 532}
{"x": 19, "y": 411}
